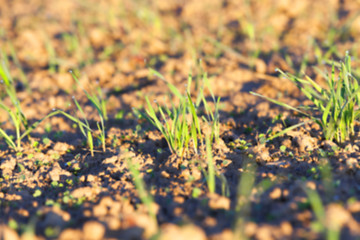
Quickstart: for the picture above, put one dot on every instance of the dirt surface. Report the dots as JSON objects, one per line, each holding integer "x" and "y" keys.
{"x": 54, "y": 189}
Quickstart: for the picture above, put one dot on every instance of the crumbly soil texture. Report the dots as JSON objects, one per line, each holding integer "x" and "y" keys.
{"x": 54, "y": 188}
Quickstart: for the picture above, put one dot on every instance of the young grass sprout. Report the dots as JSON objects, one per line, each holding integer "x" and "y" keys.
{"x": 83, "y": 126}
{"x": 337, "y": 104}
{"x": 243, "y": 205}
{"x": 17, "y": 117}
{"x": 144, "y": 195}
{"x": 211, "y": 168}
{"x": 329, "y": 227}
{"x": 180, "y": 125}
{"x": 100, "y": 105}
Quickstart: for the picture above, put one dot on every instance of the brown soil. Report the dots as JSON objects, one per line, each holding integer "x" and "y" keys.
{"x": 55, "y": 189}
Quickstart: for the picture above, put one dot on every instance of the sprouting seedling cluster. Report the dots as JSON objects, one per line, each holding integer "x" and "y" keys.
{"x": 84, "y": 126}
{"x": 22, "y": 126}
{"x": 181, "y": 125}
{"x": 15, "y": 112}
{"x": 338, "y": 103}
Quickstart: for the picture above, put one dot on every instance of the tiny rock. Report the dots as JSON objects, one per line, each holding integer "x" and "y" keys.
{"x": 352, "y": 164}
{"x": 275, "y": 194}
{"x": 165, "y": 174}
{"x": 219, "y": 202}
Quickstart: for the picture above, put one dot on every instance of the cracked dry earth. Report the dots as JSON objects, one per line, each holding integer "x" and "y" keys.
{"x": 55, "y": 189}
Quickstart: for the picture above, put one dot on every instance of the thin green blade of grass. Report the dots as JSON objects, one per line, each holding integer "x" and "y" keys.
{"x": 144, "y": 196}
{"x": 4, "y": 73}
{"x": 82, "y": 126}
{"x": 332, "y": 231}
{"x": 210, "y": 165}
{"x": 23, "y": 76}
{"x": 242, "y": 208}
{"x": 76, "y": 120}
{"x": 81, "y": 111}
{"x": 102, "y": 135}
{"x": 280, "y": 103}
{"x": 95, "y": 101}
{"x": 196, "y": 129}
{"x": 156, "y": 122}
{"x": 288, "y": 129}
{"x": 35, "y": 124}
{"x": 316, "y": 204}
{"x": 103, "y": 105}
{"x": 172, "y": 88}
{"x": 8, "y": 140}
{"x": 90, "y": 141}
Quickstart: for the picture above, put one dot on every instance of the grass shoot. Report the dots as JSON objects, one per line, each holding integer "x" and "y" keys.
{"x": 100, "y": 105}
{"x": 180, "y": 125}
{"x": 337, "y": 104}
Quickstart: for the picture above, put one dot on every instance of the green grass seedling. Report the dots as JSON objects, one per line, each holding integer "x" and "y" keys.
{"x": 242, "y": 209}
{"x": 211, "y": 169}
{"x": 213, "y": 117}
{"x": 328, "y": 227}
{"x": 53, "y": 61}
{"x": 83, "y": 126}
{"x": 23, "y": 76}
{"x": 174, "y": 126}
{"x": 140, "y": 186}
{"x": 100, "y": 105}
{"x": 17, "y": 117}
{"x": 180, "y": 125}
{"x": 337, "y": 104}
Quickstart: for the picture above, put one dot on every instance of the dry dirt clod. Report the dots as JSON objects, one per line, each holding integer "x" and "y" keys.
{"x": 261, "y": 153}
{"x": 142, "y": 221}
{"x": 7, "y": 233}
{"x": 54, "y": 216}
{"x": 113, "y": 222}
{"x": 224, "y": 235}
{"x": 196, "y": 173}
{"x": 62, "y": 147}
{"x": 305, "y": 143}
{"x": 275, "y": 193}
{"x": 171, "y": 231}
{"x": 69, "y": 233}
{"x": 286, "y": 228}
{"x": 336, "y": 216}
{"x": 352, "y": 164}
{"x": 82, "y": 192}
{"x": 165, "y": 174}
{"x": 311, "y": 185}
{"x": 218, "y": 202}
{"x": 57, "y": 172}
{"x": 7, "y": 166}
{"x": 351, "y": 148}
{"x": 329, "y": 145}
{"x": 264, "y": 233}
{"x": 93, "y": 230}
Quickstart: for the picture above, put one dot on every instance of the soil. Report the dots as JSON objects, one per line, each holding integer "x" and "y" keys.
{"x": 54, "y": 189}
